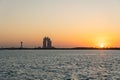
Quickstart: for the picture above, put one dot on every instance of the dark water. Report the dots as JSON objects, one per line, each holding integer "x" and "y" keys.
{"x": 59, "y": 65}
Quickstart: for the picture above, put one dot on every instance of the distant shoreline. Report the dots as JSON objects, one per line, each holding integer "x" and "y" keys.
{"x": 81, "y": 48}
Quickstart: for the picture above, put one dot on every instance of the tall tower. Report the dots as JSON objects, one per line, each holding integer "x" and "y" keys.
{"x": 44, "y": 42}
{"x": 49, "y": 43}
{"x": 21, "y": 44}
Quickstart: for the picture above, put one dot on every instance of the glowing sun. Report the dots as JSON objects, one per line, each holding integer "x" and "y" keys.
{"x": 102, "y": 45}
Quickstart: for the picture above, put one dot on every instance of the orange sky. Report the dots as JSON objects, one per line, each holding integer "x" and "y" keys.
{"x": 68, "y": 23}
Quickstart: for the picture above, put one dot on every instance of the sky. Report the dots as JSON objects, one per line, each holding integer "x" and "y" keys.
{"x": 69, "y": 23}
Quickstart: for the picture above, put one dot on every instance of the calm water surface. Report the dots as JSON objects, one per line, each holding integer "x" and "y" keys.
{"x": 59, "y": 65}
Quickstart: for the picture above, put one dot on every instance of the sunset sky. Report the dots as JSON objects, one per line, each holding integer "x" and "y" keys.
{"x": 69, "y": 23}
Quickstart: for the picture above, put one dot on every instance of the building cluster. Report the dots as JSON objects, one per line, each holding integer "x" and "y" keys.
{"x": 47, "y": 43}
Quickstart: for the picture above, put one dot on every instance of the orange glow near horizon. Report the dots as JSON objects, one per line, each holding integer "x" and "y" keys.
{"x": 68, "y": 40}
{"x": 34, "y": 40}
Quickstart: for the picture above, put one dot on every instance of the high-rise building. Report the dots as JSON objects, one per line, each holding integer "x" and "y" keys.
{"x": 44, "y": 42}
{"x": 47, "y": 43}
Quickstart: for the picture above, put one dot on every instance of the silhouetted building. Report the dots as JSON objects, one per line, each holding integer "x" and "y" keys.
{"x": 21, "y": 44}
{"x": 47, "y": 43}
{"x": 44, "y": 42}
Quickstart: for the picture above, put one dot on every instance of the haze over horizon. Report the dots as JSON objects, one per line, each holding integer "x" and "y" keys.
{"x": 69, "y": 23}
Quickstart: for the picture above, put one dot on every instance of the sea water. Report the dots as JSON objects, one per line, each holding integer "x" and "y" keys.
{"x": 59, "y": 65}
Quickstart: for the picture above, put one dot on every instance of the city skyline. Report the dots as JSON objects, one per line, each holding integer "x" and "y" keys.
{"x": 69, "y": 23}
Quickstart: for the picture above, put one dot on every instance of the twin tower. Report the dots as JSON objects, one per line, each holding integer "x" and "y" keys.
{"x": 47, "y": 43}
